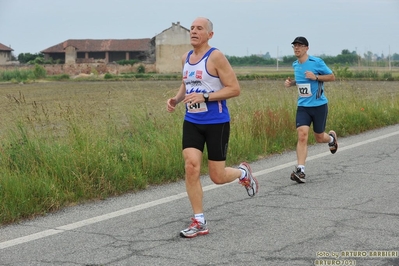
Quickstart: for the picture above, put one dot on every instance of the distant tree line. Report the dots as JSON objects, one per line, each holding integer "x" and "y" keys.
{"x": 345, "y": 58}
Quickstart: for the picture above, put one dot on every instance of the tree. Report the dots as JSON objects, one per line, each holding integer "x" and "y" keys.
{"x": 289, "y": 59}
{"x": 345, "y": 51}
{"x": 368, "y": 56}
{"x": 267, "y": 56}
{"x": 25, "y": 58}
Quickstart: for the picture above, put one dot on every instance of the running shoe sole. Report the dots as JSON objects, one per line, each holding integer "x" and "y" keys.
{"x": 200, "y": 233}
{"x": 253, "y": 181}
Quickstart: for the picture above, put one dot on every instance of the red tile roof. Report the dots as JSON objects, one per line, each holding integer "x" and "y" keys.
{"x": 88, "y": 45}
{"x": 5, "y": 48}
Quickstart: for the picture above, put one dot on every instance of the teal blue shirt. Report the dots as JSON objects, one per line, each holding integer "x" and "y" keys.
{"x": 310, "y": 92}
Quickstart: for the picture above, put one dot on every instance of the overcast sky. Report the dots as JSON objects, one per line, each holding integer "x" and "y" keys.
{"x": 242, "y": 27}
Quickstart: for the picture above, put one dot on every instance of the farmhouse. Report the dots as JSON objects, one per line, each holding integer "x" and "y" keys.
{"x": 170, "y": 45}
{"x": 164, "y": 50}
{"x": 105, "y": 51}
{"x": 5, "y": 54}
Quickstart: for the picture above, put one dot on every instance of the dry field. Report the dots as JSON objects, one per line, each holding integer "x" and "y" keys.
{"x": 45, "y": 103}
{"x": 97, "y": 97}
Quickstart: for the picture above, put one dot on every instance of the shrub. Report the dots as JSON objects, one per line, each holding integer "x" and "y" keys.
{"x": 388, "y": 76}
{"x": 39, "y": 71}
{"x": 140, "y": 69}
{"x": 342, "y": 72}
{"x": 139, "y": 76}
{"x": 94, "y": 71}
{"x": 367, "y": 74}
{"x": 59, "y": 77}
{"x": 108, "y": 76}
{"x": 127, "y": 62}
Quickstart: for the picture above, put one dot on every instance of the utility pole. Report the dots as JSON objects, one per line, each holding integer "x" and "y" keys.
{"x": 277, "y": 58}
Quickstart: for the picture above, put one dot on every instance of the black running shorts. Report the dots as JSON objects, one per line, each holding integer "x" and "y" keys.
{"x": 216, "y": 137}
{"x": 317, "y": 115}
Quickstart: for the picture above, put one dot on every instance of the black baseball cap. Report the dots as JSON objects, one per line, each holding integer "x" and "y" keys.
{"x": 301, "y": 40}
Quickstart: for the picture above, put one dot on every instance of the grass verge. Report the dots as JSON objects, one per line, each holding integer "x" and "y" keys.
{"x": 63, "y": 143}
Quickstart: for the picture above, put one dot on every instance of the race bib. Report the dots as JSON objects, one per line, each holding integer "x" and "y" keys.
{"x": 304, "y": 90}
{"x": 197, "y": 107}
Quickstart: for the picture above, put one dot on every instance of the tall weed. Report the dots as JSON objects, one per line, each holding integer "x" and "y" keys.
{"x": 66, "y": 143}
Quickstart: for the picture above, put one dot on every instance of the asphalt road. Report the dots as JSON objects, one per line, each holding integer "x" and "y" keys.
{"x": 346, "y": 214}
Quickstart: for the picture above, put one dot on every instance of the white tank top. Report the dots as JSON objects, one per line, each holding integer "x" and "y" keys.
{"x": 197, "y": 79}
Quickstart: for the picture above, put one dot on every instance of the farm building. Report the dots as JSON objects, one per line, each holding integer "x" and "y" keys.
{"x": 106, "y": 51}
{"x": 170, "y": 45}
{"x": 164, "y": 50}
{"x": 5, "y": 54}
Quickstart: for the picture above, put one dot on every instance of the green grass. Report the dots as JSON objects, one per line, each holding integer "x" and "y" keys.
{"x": 63, "y": 143}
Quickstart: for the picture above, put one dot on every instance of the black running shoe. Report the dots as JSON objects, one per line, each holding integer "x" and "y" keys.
{"x": 334, "y": 145}
{"x": 298, "y": 175}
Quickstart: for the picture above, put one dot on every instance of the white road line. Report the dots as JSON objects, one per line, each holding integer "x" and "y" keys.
{"x": 72, "y": 226}
{"x": 320, "y": 155}
{"x": 104, "y": 217}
